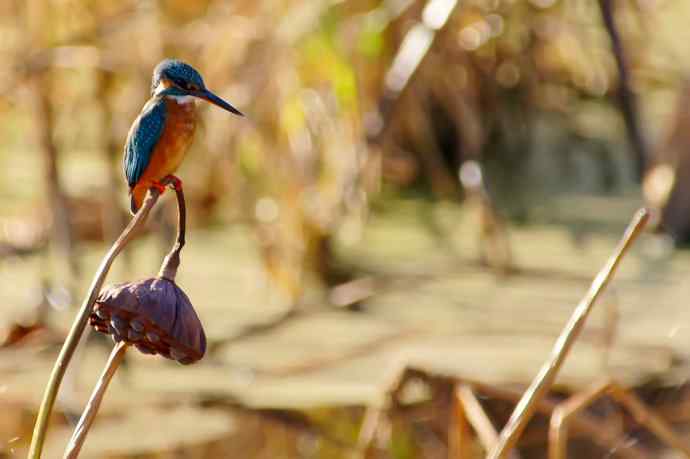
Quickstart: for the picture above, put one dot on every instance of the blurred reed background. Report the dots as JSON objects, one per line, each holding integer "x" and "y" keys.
{"x": 425, "y": 183}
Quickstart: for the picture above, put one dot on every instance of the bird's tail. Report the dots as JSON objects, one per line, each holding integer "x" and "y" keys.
{"x": 136, "y": 197}
{"x": 132, "y": 204}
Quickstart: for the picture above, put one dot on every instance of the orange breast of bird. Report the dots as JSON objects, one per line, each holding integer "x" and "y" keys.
{"x": 167, "y": 155}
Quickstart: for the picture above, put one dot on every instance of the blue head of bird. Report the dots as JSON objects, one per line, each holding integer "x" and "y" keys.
{"x": 178, "y": 79}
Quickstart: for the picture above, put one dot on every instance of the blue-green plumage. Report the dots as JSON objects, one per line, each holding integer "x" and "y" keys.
{"x": 142, "y": 139}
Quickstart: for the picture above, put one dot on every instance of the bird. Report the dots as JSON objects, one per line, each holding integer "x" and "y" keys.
{"x": 160, "y": 136}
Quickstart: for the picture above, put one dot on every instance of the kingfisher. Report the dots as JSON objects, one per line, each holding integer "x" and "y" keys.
{"x": 160, "y": 136}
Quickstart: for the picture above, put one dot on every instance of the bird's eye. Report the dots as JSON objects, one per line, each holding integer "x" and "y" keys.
{"x": 187, "y": 86}
{"x": 181, "y": 84}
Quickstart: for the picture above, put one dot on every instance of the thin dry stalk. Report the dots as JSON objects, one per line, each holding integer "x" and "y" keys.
{"x": 79, "y": 324}
{"x": 558, "y": 430}
{"x": 477, "y": 417}
{"x": 544, "y": 380}
{"x": 598, "y": 431}
{"x": 459, "y": 446}
{"x": 648, "y": 418}
{"x": 367, "y": 434}
{"x": 376, "y": 414}
{"x": 172, "y": 260}
{"x": 89, "y": 415}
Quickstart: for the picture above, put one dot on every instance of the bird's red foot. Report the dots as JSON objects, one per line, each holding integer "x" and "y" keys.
{"x": 158, "y": 186}
{"x": 175, "y": 182}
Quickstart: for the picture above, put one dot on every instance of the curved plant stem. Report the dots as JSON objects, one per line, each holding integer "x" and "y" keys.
{"x": 80, "y": 322}
{"x": 172, "y": 260}
{"x": 544, "y": 380}
{"x": 89, "y": 414}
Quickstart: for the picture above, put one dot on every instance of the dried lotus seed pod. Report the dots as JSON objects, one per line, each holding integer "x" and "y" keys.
{"x": 154, "y": 315}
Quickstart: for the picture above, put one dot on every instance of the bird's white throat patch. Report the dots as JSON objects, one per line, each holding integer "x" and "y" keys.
{"x": 182, "y": 100}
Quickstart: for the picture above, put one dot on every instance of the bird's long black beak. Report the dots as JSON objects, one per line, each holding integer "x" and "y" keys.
{"x": 215, "y": 100}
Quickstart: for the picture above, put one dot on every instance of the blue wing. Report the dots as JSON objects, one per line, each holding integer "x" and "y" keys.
{"x": 142, "y": 138}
